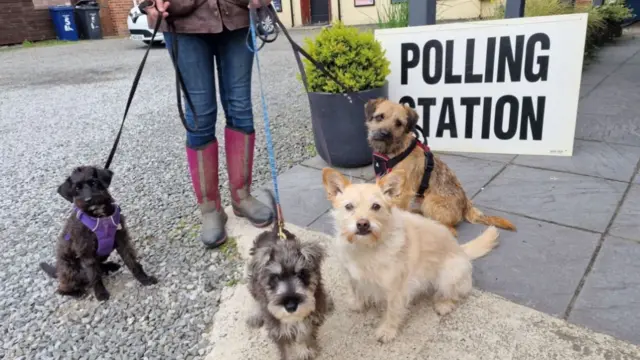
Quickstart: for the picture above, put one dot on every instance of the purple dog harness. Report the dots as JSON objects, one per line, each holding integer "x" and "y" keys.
{"x": 105, "y": 229}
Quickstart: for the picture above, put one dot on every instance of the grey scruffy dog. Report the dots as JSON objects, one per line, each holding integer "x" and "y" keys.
{"x": 93, "y": 230}
{"x": 284, "y": 278}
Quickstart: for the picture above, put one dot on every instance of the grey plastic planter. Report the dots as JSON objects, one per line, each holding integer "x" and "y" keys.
{"x": 339, "y": 130}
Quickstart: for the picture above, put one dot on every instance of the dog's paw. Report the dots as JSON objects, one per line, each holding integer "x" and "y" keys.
{"x": 72, "y": 293}
{"x": 385, "y": 334}
{"x": 302, "y": 352}
{"x": 444, "y": 307}
{"x": 102, "y": 295}
{"x": 255, "y": 321}
{"x": 149, "y": 280}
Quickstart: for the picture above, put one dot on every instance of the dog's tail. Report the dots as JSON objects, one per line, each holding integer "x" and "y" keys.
{"x": 475, "y": 216}
{"x": 49, "y": 269}
{"x": 481, "y": 245}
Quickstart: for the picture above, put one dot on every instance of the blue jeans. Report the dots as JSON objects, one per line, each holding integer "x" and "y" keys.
{"x": 234, "y": 62}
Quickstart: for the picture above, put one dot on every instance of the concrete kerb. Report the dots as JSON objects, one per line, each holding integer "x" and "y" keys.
{"x": 485, "y": 327}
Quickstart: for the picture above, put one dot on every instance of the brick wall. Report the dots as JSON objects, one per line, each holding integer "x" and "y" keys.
{"x": 118, "y": 12}
{"x": 20, "y": 21}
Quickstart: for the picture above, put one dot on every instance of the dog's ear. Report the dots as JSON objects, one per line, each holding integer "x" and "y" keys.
{"x": 412, "y": 118}
{"x": 392, "y": 183}
{"x": 334, "y": 182}
{"x": 105, "y": 176}
{"x": 65, "y": 190}
{"x": 312, "y": 252}
{"x": 370, "y": 107}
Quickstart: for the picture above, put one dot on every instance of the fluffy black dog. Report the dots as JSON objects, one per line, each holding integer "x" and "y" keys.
{"x": 93, "y": 230}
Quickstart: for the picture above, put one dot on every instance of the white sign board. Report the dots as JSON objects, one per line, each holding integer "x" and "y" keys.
{"x": 503, "y": 86}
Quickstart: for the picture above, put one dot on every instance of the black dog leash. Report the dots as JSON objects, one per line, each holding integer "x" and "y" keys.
{"x": 179, "y": 82}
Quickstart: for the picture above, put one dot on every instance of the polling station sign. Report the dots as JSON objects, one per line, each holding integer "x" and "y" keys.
{"x": 503, "y": 86}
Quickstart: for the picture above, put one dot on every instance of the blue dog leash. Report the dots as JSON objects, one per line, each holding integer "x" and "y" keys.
{"x": 267, "y": 127}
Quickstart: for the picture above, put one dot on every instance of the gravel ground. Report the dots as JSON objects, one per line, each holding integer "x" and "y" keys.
{"x": 60, "y": 108}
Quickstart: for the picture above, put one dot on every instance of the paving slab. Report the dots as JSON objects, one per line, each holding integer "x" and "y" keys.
{"x": 617, "y": 162}
{"x": 538, "y": 266}
{"x": 473, "y": 174}
{"x": 627, "y": 222}
{"x": 302, "y": 195}
{"x": 554, "y": 196}
{"x": 486, "y": 326}
{"x": 323, "y": 224}
{"x": 365, "y": 173}
{"x": 610, "y": 128}
{"x": 613, "y": 97}
{"x": 637, "y": 178}
{"x": 504, "y": 158}
{"x": 610, "y": 299}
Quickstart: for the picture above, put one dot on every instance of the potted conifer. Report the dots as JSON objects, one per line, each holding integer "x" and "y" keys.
{"x": 357, "y": 59}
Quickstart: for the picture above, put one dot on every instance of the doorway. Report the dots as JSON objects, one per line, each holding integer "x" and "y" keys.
{"x": 320, "y": 12}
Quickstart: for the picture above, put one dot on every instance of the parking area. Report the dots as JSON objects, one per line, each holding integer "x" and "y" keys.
{"x": 61, "y": 107}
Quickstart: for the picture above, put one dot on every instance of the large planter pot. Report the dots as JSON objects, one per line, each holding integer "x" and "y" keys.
{"x": 339, "y": 130}
{"x": 615, "y": 29}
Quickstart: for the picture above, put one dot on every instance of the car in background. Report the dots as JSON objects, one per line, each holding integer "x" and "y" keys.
{"x": 139, "y": 27}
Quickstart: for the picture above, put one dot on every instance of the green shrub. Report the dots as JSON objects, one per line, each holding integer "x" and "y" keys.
{"x": 539, "y": 8}
{"x": 355, "y": 57}
{"x": 615, "y": 11}
{"x": 394, "y": 16}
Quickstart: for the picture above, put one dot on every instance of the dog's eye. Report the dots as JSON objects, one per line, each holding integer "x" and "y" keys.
{"x": 91, "y": 183}
{"x": 379, "y": 117}
{"x": 78, "y": 187}
{"x": 375, "y": 207}
{"x": 349, "y": 207}
{"x": 273, "y": 280}
{"x": 303, "y": 275}
{"x": 398, "y": 123}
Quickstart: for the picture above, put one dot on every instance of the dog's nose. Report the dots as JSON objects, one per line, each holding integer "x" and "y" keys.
{"x": 382, "y": 134}
{"x": 291, "y": 306}
{"x": 363, "y": 225}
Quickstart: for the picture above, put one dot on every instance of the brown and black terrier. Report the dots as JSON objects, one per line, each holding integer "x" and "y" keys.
{"x": 432, "y": 189}
{"x": 93, "y": 230}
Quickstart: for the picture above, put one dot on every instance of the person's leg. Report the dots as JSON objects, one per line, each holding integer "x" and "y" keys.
{"x": 235, "y": 62}
{"x": 195, "y": 62}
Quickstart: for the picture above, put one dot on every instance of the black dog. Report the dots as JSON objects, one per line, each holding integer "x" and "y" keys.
{"x": 94, "y": 229}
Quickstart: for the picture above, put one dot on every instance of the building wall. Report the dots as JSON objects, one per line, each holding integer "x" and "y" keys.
{"x": 20, "y": 21}
{"x": 117, "y": 18}
{"x": 363, "y": 15}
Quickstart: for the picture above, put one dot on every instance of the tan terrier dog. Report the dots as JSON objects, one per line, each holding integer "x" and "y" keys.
{"x": 432, "y": 189}
{"x": 392, "y": 256}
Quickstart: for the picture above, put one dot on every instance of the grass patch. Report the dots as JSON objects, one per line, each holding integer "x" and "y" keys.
{"x": 46, "y": 43}
{"x": 232, "y": 282}
{"x": 229, "y": 250}
{"x": 311, "y": 150}
{"x": 394, "y": 16}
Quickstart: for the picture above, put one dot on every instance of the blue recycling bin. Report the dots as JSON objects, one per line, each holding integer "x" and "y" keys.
{"x": 64, "y": 22}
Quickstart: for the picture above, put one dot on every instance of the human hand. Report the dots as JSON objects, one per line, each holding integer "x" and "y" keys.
{"x": 259, "y": 3}
{"x": 154, "y": 10}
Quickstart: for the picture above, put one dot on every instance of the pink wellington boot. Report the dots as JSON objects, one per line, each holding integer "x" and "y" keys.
{"x": 239, "y": 151}
{"x": 203, "y": 167}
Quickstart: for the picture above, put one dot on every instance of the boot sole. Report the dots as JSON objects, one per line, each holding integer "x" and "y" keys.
{"x": 217, "y": 244}
{"x": 258, "y": 225}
